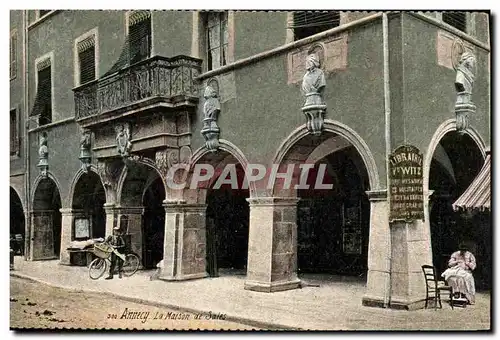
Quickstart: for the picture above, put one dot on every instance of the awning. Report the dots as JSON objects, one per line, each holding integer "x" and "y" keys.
{"x": 478, "y": 194}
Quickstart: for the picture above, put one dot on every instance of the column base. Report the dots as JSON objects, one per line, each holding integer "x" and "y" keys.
{"x": 270, "y": 287}
{"x": 399, "y": 304}
{"x": 183, "y": 277}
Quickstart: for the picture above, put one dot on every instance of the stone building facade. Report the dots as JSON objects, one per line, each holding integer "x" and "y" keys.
{"x": 109, "y": 101}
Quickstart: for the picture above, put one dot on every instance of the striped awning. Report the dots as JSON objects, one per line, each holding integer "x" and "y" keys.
{"x": 478, "y": 194}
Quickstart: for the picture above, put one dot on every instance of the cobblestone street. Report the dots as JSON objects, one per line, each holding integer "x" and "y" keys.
{"x": 35, "y": 305}
{"x": 334, "y": 305}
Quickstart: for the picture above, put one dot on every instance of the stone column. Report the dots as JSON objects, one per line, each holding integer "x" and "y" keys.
{"x": 184, "y": 252}
{"x": 272, "y": 245}
{"x": 379, "y": 252}
{"x": 411, "y": 248}
{"x": 111, "y": 219}
{"x": 132, "y": 227}
{"x": 67, "y": 218}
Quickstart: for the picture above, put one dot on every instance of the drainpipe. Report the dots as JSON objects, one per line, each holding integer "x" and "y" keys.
{"x": 388, "y": 148}
{"x": 27, "y": 219}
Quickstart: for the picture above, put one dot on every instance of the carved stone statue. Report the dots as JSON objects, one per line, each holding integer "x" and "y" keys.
{"x": 211, "y": 110}
{"x": 313, "y": 85}
{"x": 85, "y": 155}
{"x": 43, "y": 154}
{"x": 464, "y": 83}
{"x": 123, "y": 139}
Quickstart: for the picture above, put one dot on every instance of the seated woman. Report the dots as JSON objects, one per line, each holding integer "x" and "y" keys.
{"x": 459, "y": 274}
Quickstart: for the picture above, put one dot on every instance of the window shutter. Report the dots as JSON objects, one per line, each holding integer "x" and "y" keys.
{"x": 43, "y": 100}
{"x": 14, "y": 139}
{"x": 13, "y": 55}
{"x": 456, "y": 19}
{"x": 140, "y": 36}
{"x": 86, "y": 56}
{"x": 307, "y": 23}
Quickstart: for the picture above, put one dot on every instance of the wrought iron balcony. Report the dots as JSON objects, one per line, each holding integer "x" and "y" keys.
{"x": 169, "y": 82}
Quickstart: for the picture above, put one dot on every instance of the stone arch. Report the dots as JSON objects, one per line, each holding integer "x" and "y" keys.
{"x": 77, "y": 177}
{"x": 17, "y": 222}
{"x": 339, "y": 129}
{"x": 36, "y": 183}
{"x": 46, "y": 220}
{"x": 228, "y": 147}
{"x": 447, "y": 126}
{"x": 132, "y": 168}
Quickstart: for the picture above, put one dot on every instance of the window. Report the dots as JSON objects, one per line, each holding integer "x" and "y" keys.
{"x": 456, "y": 19}
{"x": 13, "y": 54}
{"x": 216, "y": 39}
{"x": 43, "y": 99}
{"x": 86, "y": 60}
{"x": 139, "y": 35}
{"x": 14, "y": 133}
{"x": 306, "y": 24}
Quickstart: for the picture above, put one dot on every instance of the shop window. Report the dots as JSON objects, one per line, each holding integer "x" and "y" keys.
{"x": 456, "y": 19}
{"x": 217, "y": 38}
{"x": 305, "y": 24}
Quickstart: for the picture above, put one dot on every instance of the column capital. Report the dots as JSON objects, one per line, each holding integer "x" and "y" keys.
{"x": 377, "y": 195}
{"x": 273, "y": 201}
{"x": 66, "y": 211}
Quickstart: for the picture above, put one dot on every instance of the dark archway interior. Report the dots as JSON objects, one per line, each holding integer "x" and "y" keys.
{"x": 17, "y": 223}
{"x": 153, "y": 223}
{"x": 48, "y": 200}
{"x": 333, "y": 224}
{"x": 88, "y": 202}
{"x": 227, "y": 220}
{"x": 454, "y": 166}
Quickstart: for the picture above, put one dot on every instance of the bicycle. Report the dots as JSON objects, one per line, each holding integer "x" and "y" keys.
{"x": 100, "y": 265}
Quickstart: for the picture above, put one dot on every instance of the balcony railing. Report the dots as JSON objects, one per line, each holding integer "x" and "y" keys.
{"x": 170, "y": 80}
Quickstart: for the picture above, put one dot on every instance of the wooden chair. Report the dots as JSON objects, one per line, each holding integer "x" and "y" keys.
{"x": 434, "y": 286}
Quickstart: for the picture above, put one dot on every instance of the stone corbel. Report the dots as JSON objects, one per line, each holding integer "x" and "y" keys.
{"x": 211, "y": 110}
{"x": 85, "y": 150}
{"x": 43, "y": 155}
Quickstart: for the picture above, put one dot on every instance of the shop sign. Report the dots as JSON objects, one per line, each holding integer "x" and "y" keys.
{"x": 406, "y": 184}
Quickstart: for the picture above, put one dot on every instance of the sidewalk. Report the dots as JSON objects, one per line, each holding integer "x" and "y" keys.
{"x": 335, "y": 305}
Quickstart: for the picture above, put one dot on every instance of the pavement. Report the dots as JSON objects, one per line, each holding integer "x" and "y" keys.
{"x": 334, "y": 305}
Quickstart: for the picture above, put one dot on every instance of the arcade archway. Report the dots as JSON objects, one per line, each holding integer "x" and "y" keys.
{"x": 227, "y": 213}
{"x": 141, "y": 215}
{"x": 456, "y": 161}
{"x": 153, "y": 223}
{"x": 17, "y": 223}
{"x": 332, "y": 222}
{"x": 88, "y": 204}
{"x": 46, "y": 221}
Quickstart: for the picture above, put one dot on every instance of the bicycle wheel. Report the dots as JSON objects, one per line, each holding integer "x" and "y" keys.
{"x": 131, "y": 264}
{"x": 97, "y": 268}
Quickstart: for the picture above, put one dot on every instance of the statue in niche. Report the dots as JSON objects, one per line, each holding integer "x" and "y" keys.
{"x": 313, "y": 83}
{"x": 464, "y": 83}
{"x": 43, "y": 154}
{"x": 85, "y": 156}
{"x": 123, "y": 140}
{"x": 211, "y": 110}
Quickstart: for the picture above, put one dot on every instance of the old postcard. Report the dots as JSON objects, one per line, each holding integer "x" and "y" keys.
{"x": 250, "y": 170}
